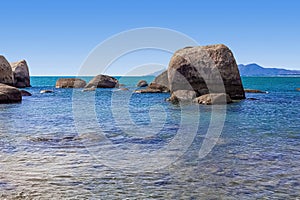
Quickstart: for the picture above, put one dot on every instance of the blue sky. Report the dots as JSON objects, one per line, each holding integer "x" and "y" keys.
{"x": 55, "y": 37}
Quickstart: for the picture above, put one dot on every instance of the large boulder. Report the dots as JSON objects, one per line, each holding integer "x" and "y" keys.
{"x": 6, "y": 74}
{"x": 21, "y": 74}
{"x": 9, "y": 94}
{"x": 205, "y": 69}
{"x": 103, "y": 81}
{"x": 70, "y": 83}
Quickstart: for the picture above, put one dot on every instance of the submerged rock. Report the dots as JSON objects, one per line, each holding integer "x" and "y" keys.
{"x": 123, "y": 89}
{"x": 93, "y": 88}
{"x": 252, "y": 99}
{"x": 21, "y": 74}
{"x": 70, "y": 83}
{"x": 46, "y": 91}
{"x": 254, "y": 91}
{"x": 205, "y": 69}
{"x": 103, "y": 81}
{"x": 298, "y": 89}
{"x": 6, "y": 73}
{"x": 213, "y": 98}
{"x": 142, "y": 83}
{"x": 148, "y": 90}
{"x": 25, "y": 93}
{"x": 9, "y": 94}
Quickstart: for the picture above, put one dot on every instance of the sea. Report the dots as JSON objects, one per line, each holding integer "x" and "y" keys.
{"x": 117, "y": 144}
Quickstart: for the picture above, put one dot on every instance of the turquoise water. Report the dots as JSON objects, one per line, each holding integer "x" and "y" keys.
{"x": 69, "y": 144}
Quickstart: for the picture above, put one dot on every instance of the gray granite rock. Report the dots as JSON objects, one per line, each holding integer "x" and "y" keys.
{"x": 6, "y": 74}
{"x": 21, "y": 74}
{"x": 103, "y": 81}
{"x": 205, "y": 69}
{"x": 70, "y": 83}
{"x": 213, "y": 98}
{"x": 9, "y": 94}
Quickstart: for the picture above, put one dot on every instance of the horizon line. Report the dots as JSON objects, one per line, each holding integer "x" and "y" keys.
{"x": 87, "y": 75}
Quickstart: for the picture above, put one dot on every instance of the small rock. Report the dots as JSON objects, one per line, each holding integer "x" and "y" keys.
{"x": 173, "y": 99}
{"x": 254, "y": 91}
{"x": 123, "y": 89}
{"x": 182, "y": 96}
{"x": 46, "y": 91}
{"x": 142, "y": 83}
{"x": 25, "y": 93}
{"x": 160, "y": 87}
{"x": 70, "y": 83}
{"x": 186, "y": 96}
{"x": 154, "y": 88}
{"x": 103, "y": 81}
{"x": 213, "y": 98}
{"x": 148, "y": 90}
{"x": 298, "y": 89}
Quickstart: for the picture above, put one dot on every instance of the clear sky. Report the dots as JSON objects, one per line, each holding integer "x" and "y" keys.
{"x": 56, "y": 36}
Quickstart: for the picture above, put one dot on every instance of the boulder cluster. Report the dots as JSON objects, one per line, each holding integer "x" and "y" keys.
{"x": 99, "y": 81}
{"x": 202, "y": 74}
{"x": 13, "y": 76}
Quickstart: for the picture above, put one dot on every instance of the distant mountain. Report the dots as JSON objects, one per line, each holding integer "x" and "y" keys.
{"x": 157, "y": 72}
{"x": 256, "y": 70}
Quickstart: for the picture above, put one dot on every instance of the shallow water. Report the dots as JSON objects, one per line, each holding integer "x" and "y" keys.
{"x": 51, "y": 148}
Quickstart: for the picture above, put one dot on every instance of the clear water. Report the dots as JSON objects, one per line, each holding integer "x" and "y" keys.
{"x": 43, "y": 156}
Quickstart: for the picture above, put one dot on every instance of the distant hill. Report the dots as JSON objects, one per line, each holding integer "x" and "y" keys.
{"x": 256, "y": 70}
{"x": 157, "y": 72}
